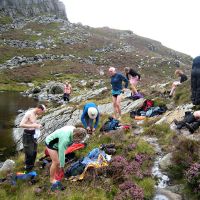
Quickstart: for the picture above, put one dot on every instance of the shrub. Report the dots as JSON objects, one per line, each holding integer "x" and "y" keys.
{"x": 193, "y": 177}
{"x": 129, "y": 190}
{"x": 186, "y": 152}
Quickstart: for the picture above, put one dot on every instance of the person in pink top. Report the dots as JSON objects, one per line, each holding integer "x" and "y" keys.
{"x": 67, "y": 91}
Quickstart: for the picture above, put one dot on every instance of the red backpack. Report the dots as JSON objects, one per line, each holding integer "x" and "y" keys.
{"x": 147, "y": 104}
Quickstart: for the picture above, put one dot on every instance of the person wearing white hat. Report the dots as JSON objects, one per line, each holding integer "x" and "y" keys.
{"x": 29, "y": 139}
{"x": 90, "y": 113}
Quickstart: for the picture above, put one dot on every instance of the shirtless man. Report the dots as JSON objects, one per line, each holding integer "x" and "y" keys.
{"x": 29, "y": 137}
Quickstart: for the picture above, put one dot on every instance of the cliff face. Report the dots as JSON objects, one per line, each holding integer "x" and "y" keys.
{"x": 31, "y": 8}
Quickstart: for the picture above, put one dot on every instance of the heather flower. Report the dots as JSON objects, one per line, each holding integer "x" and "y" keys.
{"x": 131, "y": 147}
{"x": 129, "y": 191}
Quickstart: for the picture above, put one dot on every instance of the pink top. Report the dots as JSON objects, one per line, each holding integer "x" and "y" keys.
{"x": 67, "y": 89}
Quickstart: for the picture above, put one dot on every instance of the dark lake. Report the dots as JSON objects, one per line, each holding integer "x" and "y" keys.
{"x": 10, "y": 103}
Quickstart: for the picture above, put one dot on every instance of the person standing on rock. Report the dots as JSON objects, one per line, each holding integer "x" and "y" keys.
{"x": 67, "y": 91}
{"x": 116, "y": 82}
{"x": 90, "y": 113}
{"x": 57, "y": 142}
{"x": 183, "y": 78}
{"x": 133, "y": 78}
{"x": 30, "y": 135}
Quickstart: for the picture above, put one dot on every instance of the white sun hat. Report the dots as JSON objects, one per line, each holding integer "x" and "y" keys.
{"x": 92, "y": 112}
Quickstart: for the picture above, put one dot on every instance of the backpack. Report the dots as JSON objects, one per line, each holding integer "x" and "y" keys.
{"x": 111, "y": 124}
{"x": 75, "y": 169}
{"x": 146, "y": 105}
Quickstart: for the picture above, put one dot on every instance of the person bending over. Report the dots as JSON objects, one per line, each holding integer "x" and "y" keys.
{"x": 56, "y": 143}
{"x": 133, "y": 78}
{"x": 90, "y": 113}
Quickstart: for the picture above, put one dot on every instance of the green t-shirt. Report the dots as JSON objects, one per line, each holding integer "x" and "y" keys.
{"x": 61, "y": 139}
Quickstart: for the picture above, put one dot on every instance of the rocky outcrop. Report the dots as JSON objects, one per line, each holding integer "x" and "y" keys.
{"x": 30, "y": 8}
{"x": 61, "y": 116}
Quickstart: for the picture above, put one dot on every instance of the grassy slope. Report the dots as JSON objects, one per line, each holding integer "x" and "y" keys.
{"x": 101, "y": 188}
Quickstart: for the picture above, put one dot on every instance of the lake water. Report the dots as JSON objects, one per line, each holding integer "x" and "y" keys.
{"x": 10, "y": 103}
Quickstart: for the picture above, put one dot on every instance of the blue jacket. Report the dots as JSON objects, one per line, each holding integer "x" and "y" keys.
{"x": 116, "y": 81}
{"x": 85, "y": 116}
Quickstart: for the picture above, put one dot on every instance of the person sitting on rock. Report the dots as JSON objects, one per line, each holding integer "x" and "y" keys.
{"x": 183, "y": 78}
{"x": 56, "y": 143}
{"x": 67, "y": 91}
{"x": 191, "y": 121}
{"x": 90, "y": 112}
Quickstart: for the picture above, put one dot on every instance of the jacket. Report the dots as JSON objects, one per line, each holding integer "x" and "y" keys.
{"x": 195, "y": 81}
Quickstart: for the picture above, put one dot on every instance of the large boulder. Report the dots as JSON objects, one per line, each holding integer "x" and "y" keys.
{"x": 56, "y": 88}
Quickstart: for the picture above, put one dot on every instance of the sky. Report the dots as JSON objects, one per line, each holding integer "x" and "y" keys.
{"x": 175, "y": 23}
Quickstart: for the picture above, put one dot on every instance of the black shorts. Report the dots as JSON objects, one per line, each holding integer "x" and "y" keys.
{"x": 66, "y": 97}
{"x": 115, "y": 95}
{"x": 50, "y": 146}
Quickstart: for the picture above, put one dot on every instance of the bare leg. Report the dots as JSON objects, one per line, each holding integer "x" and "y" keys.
{"x": 115, "y": 106}
{"x": 118, "y": 105}
{"x": 176, "y": 83}
{"x": 55, "y": 164}
{"x": 197, "y": 115}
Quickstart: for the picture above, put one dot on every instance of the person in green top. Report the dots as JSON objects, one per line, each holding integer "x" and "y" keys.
{"x": 56, "y": 143}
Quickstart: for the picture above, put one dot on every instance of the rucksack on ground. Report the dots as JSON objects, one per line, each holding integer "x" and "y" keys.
{"x": 111, "y": 124}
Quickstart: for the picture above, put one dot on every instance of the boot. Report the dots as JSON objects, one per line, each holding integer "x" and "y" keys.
{"x": 179, "y": 124}
{"x": 192, "y": 127}
{"x": 189, "y": 118}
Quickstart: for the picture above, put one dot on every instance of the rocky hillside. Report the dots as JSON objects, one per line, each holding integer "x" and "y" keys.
{"x": 37, "y": 48}
{"x": 38, "y": 53}
{"x": 32, "y": 8}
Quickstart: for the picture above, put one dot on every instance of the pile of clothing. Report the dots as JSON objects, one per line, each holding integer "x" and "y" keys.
{"x": 97, "y": 158}
{"x": 148, "y": 110}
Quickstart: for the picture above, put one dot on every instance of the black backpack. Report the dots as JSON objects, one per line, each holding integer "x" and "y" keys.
{"x": 111, "y": 124}
{"x": 75, "y": 169}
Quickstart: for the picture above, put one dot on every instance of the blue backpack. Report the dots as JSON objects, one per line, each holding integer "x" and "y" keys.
{"x": 111, "y": 124}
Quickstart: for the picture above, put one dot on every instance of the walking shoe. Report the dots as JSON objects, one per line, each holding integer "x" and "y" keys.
{"x": 57, "y": 186}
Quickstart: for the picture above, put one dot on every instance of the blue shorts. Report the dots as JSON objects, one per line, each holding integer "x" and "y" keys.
{"x": 116, "y": 93}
